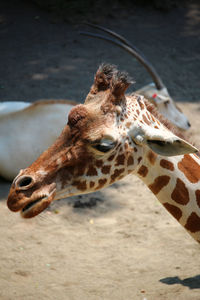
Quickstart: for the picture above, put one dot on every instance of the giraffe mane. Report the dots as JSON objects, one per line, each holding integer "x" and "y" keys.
{"x": 153, "y": 110}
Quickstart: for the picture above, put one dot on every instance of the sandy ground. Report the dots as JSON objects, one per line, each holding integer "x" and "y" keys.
{"x": 126, "y": 246}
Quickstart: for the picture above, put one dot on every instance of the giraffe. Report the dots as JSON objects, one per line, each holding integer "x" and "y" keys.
{"x": 108, "y": 137}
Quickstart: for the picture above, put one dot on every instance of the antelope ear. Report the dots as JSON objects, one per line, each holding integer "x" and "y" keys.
{"x": 176, "y": 146}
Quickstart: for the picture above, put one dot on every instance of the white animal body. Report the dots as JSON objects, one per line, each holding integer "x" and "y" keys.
{"x": 26, "y": 130}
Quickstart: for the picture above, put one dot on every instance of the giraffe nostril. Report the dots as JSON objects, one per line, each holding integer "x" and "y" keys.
{"x": 188, "y": 123}
{"x": 24, "y": 182}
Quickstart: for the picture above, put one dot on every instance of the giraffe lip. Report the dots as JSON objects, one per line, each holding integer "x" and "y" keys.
{"x": 38, "y": 204}
{"x": 34, "y": 202}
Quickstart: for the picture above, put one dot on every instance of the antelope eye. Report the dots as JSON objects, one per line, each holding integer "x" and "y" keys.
{"x": 104, "y": 145}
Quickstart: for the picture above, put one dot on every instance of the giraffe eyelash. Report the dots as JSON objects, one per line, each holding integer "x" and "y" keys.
{"x": 104, "y": 145}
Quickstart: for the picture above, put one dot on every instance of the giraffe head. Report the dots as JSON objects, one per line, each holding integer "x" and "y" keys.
{"x": 105, "y": 139}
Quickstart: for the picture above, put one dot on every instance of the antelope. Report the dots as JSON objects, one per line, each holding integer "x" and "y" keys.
{"x": 108, "y": 137}
{"x": 155, "y": 92}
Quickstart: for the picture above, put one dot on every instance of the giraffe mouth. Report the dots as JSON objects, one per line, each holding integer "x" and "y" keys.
{"x": 38, "y": 204}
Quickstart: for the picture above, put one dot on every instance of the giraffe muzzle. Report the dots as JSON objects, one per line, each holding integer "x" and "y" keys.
{"x": 38, "y": 204}
{"x": 31, "y": 206}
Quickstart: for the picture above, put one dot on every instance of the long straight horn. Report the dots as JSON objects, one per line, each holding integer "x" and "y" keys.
{"x": 126, "y": 45}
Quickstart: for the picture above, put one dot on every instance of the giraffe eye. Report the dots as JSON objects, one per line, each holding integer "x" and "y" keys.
{"x": 104, "y": 145}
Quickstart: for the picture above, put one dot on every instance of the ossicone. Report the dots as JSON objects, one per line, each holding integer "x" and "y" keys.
{"x": 119, "y": 84}
{"x": 103, "y": 77}
{"x": 77, "y": 113}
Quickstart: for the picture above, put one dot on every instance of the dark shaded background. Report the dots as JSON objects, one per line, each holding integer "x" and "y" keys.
{"x": 42, "y": 55}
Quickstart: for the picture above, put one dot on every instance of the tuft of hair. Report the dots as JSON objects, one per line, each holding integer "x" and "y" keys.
{"x": 103, "y": 77}
{"x": 120, "y": 82}
{"x": 102, "y": 80}
{"x": 107, "y": 69}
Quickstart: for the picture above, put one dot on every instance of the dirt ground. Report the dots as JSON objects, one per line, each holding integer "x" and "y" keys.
{"x": 126, "y": 246}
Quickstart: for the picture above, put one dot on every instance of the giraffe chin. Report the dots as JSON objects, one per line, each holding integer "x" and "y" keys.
{"x": 37, "y": 205}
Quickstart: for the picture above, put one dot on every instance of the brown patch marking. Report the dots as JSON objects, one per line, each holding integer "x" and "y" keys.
{"x": 105, "y": 169}
{"x": 190, "y": 168}
{"x": 167, "y": 164}
{"x": 180, "y": 193}
{"x": 130, "y": 160}
{"x": 80, "y": 185}
{"x": 92, "y": 171}
{"x": 139, "y": 159}
{"x": 92, "y": 184}
{"x": 111, "y": 157}
{"x": 141, "y": 104}
{"x": 128, "y": 124}
{"x": 116, "y": 174}
{"x": 159, "y": 183}
{"x": 174, "y": 210}
{"x": 126, "y": 145}
{"x": 101, "y": 182}
{"x": 151, "y": 157}
{"x": 197, "y": 193}
{"x": 120, "y": 160}
{"x": 193, "y": 223}
{"x": 143, "y": 170}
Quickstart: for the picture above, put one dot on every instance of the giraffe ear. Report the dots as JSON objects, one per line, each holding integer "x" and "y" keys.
{"x": 164, "y": 143}
{"x": 174, "y": 147}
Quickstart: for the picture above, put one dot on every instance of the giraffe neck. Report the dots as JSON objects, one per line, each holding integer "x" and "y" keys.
{"x": 175, "y": 181}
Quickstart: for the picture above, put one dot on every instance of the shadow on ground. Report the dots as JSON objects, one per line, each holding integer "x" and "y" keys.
{"x": 191, "y": 282}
